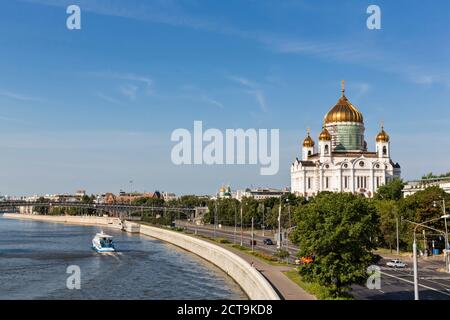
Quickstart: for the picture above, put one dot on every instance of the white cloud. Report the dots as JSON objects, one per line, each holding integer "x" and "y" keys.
{"x": 18, "y": 96}
{"x": 212, "y": 101}
{"x": 252, "y": 89}
{"x": 107, "y": 98}
{"x": 129, "y": 91}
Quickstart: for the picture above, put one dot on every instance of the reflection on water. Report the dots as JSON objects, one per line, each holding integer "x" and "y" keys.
{"x": 34, "y": 257}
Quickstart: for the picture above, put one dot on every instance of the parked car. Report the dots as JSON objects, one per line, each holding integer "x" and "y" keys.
{"x": 396, "y": 264}
{"x": 268, "y": 242}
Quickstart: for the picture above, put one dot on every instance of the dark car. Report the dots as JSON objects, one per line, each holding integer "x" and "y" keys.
{"x": 254, "y": 242}
{"x": 268, "y": 242}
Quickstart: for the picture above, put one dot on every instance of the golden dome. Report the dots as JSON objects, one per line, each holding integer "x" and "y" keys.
{"x": 382, "y": 136}
{"x": 308, "y": 142}
{"x": 325, "y": 135}
{"x": 343, "y": 111}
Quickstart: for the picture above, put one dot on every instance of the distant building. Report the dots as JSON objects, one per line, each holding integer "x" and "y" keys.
{"x": 123, "y": 197}
{"x": 260, "y": 193}
{"x": 168, "y": 196}
{"x": 412, "y": 187}
{"x": 80, "y": 193}
{"x": 225, "y": 193}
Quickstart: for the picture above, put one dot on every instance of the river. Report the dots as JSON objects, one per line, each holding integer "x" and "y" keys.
{"x": 34, "y": 257}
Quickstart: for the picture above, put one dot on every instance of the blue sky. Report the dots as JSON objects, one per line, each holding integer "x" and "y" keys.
{"x": 94, "y": 108}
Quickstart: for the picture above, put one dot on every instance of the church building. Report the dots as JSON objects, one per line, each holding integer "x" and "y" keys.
{"x": 341, "y": 161}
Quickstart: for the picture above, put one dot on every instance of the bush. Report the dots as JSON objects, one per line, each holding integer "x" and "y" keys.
{"x": 282, "y": 254}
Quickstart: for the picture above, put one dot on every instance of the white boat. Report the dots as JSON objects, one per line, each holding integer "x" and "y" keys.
{"x": 103, "y": 243}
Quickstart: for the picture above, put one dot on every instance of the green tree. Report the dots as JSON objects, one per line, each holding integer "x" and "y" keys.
{"x": 420, "y": 207}
{"x": 390, "y": 191}
{"x": 389, "y": 217}
{"x": 339, "y": 231}
{"x": 42, "y": 209}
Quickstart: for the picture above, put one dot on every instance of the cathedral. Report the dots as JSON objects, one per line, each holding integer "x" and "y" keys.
{"x": 341, "y": 161}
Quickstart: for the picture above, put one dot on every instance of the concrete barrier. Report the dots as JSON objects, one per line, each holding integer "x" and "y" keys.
{"x": 250, "y": 279}
{"x": 78, "y": 220}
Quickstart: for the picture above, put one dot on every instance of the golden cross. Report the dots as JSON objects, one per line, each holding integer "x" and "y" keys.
{"x": 343, "y": 86}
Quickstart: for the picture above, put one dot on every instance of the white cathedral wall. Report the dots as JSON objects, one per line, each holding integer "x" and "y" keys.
{"x": 370, "y": 178}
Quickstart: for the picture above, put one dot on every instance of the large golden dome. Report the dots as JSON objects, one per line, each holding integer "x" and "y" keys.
{"x": 343, "y": 111}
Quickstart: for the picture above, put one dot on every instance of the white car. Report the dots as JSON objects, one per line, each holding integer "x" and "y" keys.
{"x": 396, "y": 264}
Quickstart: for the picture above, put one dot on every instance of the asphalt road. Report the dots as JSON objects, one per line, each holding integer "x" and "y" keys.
{"x": 398, "y": 284}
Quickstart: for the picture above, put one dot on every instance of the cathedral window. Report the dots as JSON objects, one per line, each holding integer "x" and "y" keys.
{"x": 326, "y": 182}
{"x": 384, "y": 151}
{"x": 309, "y": 183}
{"x": 326, "y": 149}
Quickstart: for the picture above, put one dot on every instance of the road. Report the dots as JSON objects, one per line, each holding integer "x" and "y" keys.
{"x": 398, "y": 284}
{"x": 236, "y": 238}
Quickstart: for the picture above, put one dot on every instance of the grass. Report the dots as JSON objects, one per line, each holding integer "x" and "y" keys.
{"x": 394, "y": 252}
{"x": 272, "y": 260}
{"x": 315, "y": 289}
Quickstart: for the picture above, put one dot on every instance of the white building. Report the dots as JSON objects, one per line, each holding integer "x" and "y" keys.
{"x": 342, "y": 163}
{"x": 419, "y": 185}
{"x": 260, "y": 193}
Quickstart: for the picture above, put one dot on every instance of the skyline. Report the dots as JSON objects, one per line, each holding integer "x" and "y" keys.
{"x": 94, "y": 108}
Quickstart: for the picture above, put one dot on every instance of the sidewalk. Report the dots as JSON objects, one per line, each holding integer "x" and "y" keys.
{"x": 287, "y": 289}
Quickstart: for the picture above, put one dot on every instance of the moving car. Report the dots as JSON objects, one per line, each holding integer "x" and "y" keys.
{"x": 304, "y": 260}
{"x": 268, "y": 242}
{"x": 396, "y": 264}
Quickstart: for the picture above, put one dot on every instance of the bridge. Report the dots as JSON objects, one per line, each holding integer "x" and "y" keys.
{"x": 121, "y": 210}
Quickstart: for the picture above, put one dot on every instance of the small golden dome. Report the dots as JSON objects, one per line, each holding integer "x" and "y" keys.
{"x": 343, "y": 111}
{"x": 382, "y": 136}
{"x": 222, "y": 189}
{"x": 325, "y": 135}
{"x": 308, "y": 142}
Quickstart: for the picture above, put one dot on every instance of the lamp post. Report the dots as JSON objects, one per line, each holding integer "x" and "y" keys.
{"x": 215, "y": 218}
{"x": 235, "y": 224}
{"x": 242, "y": 232}
{"x": 253, "y": 235}
{"x": 398, "y": 240}
{"x": 279, "y": 226}
{"x": 416, "y": 280}
{"x": 290, "y": 224}
{"x": 263, "y": 225}
{"x": 445, "y": 217}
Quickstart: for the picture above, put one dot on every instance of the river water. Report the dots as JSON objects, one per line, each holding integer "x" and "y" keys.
{"x": 34, "y": 257}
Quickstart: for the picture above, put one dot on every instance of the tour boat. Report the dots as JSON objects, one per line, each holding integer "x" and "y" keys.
{"x": 103, "y": 243}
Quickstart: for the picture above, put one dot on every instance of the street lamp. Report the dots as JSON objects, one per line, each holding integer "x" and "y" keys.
{"x": 279, "y": 226}
{"x": 242, "y": 231}
{"x": 445, "y": 217}
{"x": 416, "y": 281}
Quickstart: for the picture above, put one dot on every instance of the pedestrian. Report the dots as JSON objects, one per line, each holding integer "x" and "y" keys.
{"x": 252, "y": 264}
